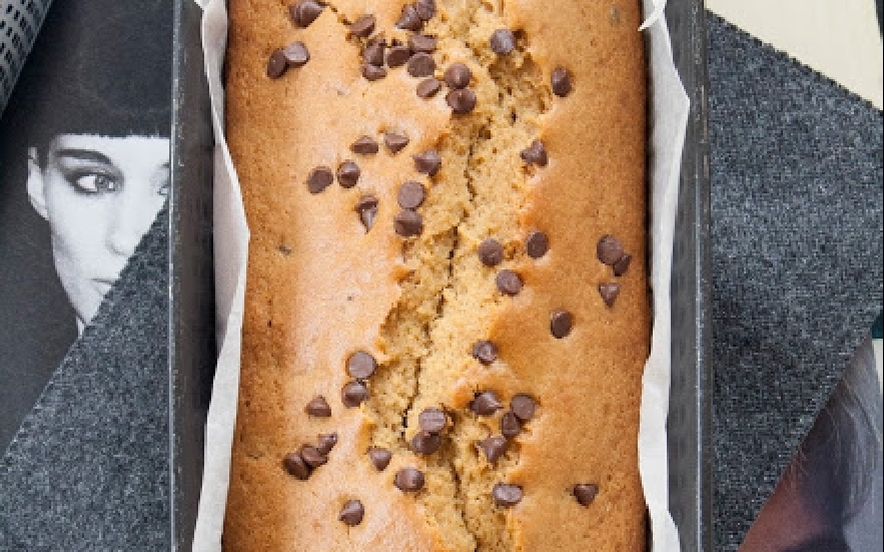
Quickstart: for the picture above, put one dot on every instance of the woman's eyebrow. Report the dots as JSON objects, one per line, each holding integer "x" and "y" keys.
{"x": 84, "y": 155}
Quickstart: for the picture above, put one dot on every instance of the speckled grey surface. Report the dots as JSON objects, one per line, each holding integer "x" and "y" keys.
{"x": 797, "y": 258}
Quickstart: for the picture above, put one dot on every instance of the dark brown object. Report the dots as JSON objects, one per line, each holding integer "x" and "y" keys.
{"x": 305, "y": 12}
{"x": 428, "y": 88}
{"x": 523, "y": 406}
{"x": 425, "y": 9}
{"x": 312, "y": 456}
{"x": 490, "y": 252}
{"x": 318, "y": 407}
{"x": 609, "y": 250}
{"x": 354, "y": 393}
{"x": 494, "y": 447}
{"x": 536, "y": 244}
{"x": 367, "y": 207}
{"x": 277, "y": 64}
{"x": 296, "y": 54}
{"x": 422, "y": 43}
{"x": 395, "y": 142}
{"x": 585, "y": 493}
{"x": 508, "y": 282}
{"x": 506, "y": 495}
{"x": 560, "y": 323}
{"x": 361, "y": 365}
{"x": 561, "y": 82}
{"x": 348, "y": 174}
{"x": 380, "y": 458}
{"x": 609, "y": 293}
{"x": 432, "y": 420}
{"x": 352, "y": 513}
{"x": 411, "y": 195}
{"x": 502, "y": 42}
{"x": 296, "y": 466}
{"x": 409, "y": 480}
{"x": 372, "y": 73}
{"x": 327, "y": 442}
{"x": 374, "y": 52}
{"x": 509, "y": 425}
{"x": 485, "y": 352}
{"x": 427, "y": 162}
{"x": 319, "y": 179}
{"x": 421, "y": 64}
{"x": 425, "y": 442}
{"x": 461, "y": 101}
{"x": 365, "y": 145}
{"x": 363, "y": 26}
{"x": 458, "y": 75}
{"x": 409, "y": 19}
{"x": 622, "y": 264}
{"x": 486, "y": 403}
{"x": 535, "y": 154}
{"x": 408, "y": 223}
{"x": 398, "y": 55}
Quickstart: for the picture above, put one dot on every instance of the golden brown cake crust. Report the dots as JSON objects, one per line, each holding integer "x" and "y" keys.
{"x": 321, "y": 287}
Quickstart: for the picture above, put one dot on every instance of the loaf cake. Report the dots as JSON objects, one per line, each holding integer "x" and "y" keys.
{"x": 447, "y": 308}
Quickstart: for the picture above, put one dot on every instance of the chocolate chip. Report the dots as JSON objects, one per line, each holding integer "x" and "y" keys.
{"x": 380, "y": 458}
{"x": 432, "y": 420}
{"x": 411, "y": 195}
{"x": 408, "y": 223}
{"x": 395, "y": 142}
{"x": 366, "y": 145}
{"x": 509, "y": 425}
{"x": 372, "y": 73}
{"x": 374, "y": 53}
{"x": 327, "y": 442}
{"x": 425, "y": 442}
{"x": 506, "y": 495}
{"x": 535, "y": 154}
{"x": 585, "y": 493}
{"x": 609, "y": 293}
{"x": 609, "y": 250}
{"x": 422, "y": 43}
{"x": 348, "y": 174}
{"x": 354, "y": 393}
{"x": 425, "y": 9}
{"x": 409, "y": 480}
{"x": 561, "y": 82}
{"x": 428, "y": 88}
{"x": 277, "y": 64}
{"x": 508, "y": 282}
{"x": 461, "y": 101}
{"x": 502, "y": 42}
{"x": 319, "y": 179}
{"x": 560, "y": 323}
{"x": 485, "y": 352}
{"x": 352, "y": 513}
{"x": 493, "y": 447}
{"x": 409, "y": 19}
{"x": 312, "y": 456}
{"x": 318, "y": 407}
{"x": 364, "y": 26}
{"x": 458, "y": 75}
{"x": 296, "y": 54}
{"x": 421, "y": 64}
{"x": 367, "y": 207}
{"x": 361, "y": 365}
{"x": 486, "y": 404}
{"x": 536, "y": 244}
{"x": 622, "y": 264}
{"x": 398, "y": 56}
{"x": 427, "y": 162}
{"x": 490, "y": 252}
{"x": 296, "y": 466}
{"x": 523, "y": 406}
{"x": 305, "y": 12}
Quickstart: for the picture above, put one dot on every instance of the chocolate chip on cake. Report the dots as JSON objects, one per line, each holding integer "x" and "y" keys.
{"x": 425, "y": 9}
{"x": 536, "y": 244}
{"x": 535, "y": 154}
{"x": 609, "y": 293}
{"x": 354, "y": 393}
{"x": 408, "y": 223}
{"x": 380, "y": 458}
{"x": 561, "y": 82}
{"x": 372, "y": 73}
{"x": 509, "y": 425}
{"x": 490, "y": 252}
{"x": 352, "y": 513}
{"x": 305, "y": 12}
{"x": 409, "y": 480}
{"x": 458, "y": 76}
{"x": 523, "y": 406}
{"x": 365, "y": 145}
{"x": 421, "y": 64}
{"x": 609, "y": 250}
{"x": 461, "y": 101}
{"x": 494, "y": 447}
{"x": 560, "y": 323}
{"x": 327, "y": 442}
{"x": 502, "y": 41}
{"x": 486, "y": 403}
{"x": 277, "y": 64}
{"x": 411, "y": 195}
{"x": 296, "y": 55}
{"x": 422, "y": 43}
{"x": 363, "y": 26}
{"x": 506, "y": 495}
{"x": 485, "y": 352}
{"x": 318, "y": 407}
{"x": 374, "y": 52}
{"x": 361, "y": 365}
{"x": 409, "y": 19}
{"x": 425, "y": 442}
{"x": 395, "y": 142}
{"x": 508, "y": 282}
{"x": 428, "y": 88}
{"x": 312, "y": 456}
{"x": 296, "y": 466}
{"x": 398, "y": 55}
{"x": 348, "y": 174}
{"x": 622, "y": 264}
{"x": 367, "y": 207}
{"x": 432, "y": 420}
{"x": 319, "y": 179}
{"x": 427, "y": 162}
{"x": 585, "y": 493}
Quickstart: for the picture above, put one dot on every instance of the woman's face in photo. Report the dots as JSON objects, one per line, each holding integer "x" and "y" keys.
{"x": 100, "y": 195}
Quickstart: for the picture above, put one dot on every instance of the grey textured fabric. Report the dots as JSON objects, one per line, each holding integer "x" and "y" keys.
{"x": 797, "y": 258}
{"x": 89, "y": 468}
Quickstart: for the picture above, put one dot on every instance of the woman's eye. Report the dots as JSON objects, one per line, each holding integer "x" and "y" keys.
{"x": 95, "y": 183}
